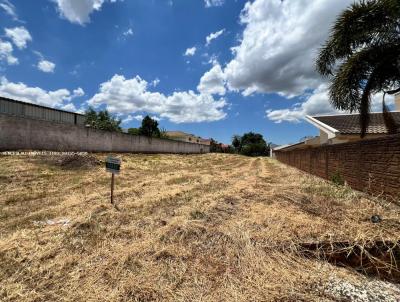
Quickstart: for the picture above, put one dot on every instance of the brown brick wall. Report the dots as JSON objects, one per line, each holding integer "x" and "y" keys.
{"x": 370, "y": 165}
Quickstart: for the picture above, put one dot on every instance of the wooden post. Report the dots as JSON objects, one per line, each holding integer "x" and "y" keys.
{"x": 112, "y": 188}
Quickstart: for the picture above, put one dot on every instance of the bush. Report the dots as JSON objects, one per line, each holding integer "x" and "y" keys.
{"x": 250, "y": 144}
{"x": 337, "y": 179}
{"x": 102, "y": 120}
{"x": 256, "y": 149}
{"x": 134, "y": 131}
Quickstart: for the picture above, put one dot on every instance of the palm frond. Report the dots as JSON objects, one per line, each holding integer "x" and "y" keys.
{"x": 366, "y": 22}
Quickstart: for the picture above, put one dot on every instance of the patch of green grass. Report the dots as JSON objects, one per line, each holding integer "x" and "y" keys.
{"x": 338, "y": 179}
{"x": 329, "y": 190}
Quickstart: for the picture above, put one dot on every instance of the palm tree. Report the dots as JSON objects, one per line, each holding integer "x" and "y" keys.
{"x": 362, "y": 57}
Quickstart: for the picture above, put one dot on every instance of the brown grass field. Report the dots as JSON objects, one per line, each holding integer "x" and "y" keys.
{"x": 208, "y": 227}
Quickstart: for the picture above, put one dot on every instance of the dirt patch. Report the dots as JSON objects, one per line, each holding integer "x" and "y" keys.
{"x": 75, "y": 161}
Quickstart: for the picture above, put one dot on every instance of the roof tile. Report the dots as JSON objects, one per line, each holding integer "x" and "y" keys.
{"x": 350, "y": 123}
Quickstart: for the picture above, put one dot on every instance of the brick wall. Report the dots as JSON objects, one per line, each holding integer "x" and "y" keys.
{"x": 371, "y": 165}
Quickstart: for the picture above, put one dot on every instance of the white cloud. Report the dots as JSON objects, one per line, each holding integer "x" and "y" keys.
{"x": 213, "y": 81}
{"x": 190, "y": 51}
{"x": 155, "y": 82}
{"x": 138, "y": 117}
{"x": 78, "y": 92}
{"x": 211, "y": 3}
{"x": 20, "y": 91}
{"x": 128, "y": 119}
{"x": 46, "y": 66}
{"x": 128, "y": 32}
{"x": 9, "y": 8}
{"x": 78, "y": 11}
{"x": 128, "y": 96}
{"x": 6, "y": 53}
{"x": 277, "y": 51}
{"x": 316, "y": 104}
{"x": 214, "y": 36}
{"x": 69, "y": 107}
{"x": 19, "y": 35}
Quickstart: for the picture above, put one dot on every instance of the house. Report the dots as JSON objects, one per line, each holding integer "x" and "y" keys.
{"x": 343, "y": 128}
{"x": 187, "y": 137}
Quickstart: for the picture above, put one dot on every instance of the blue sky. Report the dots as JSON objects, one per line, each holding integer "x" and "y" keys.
{"x": 135, "y": 57}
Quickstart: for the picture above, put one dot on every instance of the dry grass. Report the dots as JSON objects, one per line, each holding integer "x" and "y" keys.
{"x": 190, "y": 228}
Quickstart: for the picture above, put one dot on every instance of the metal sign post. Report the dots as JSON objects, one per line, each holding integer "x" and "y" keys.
{"x": 113, "y": 165}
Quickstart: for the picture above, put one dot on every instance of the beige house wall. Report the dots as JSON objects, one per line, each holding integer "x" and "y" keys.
{"x": 397, "y": 101}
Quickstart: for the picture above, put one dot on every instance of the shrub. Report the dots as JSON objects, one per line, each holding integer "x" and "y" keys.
{"x": 337, "y": 179}
{"x": 102, "y": 120}
{"x": 250, "y": 144}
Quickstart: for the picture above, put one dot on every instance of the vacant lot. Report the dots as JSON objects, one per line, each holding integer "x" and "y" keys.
{"x": 189, "y": 228}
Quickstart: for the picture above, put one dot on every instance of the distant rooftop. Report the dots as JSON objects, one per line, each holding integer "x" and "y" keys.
{"x": 350, "y": 123}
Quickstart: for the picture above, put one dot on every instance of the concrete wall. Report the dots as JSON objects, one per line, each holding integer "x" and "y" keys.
{"x": 369, "y": 165}
{"x": 19, "y": 133}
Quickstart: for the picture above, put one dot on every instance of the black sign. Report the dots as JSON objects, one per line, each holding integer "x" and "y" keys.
{"x": 113, "y": 165}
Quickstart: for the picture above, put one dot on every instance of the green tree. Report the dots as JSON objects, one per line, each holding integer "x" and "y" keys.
{"x": 236, "y": 142}
{"x": 134, "y": 131}
{"x": 102, "y": 120}
{"x": 149, "y": 127}
{"x": 250, "y": 144}
{"x": 215, "y": 147}
{"x": 362, "y": 57}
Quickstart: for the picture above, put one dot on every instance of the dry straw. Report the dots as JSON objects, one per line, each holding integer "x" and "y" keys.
{"x": 191, "y": 228}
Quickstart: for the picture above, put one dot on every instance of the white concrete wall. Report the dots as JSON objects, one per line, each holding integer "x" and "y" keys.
{"x": 19, "y": 133}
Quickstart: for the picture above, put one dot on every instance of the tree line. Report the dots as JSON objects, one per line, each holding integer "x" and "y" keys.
{"x": 249, "y": 144}
{"x": 103, "y": 120}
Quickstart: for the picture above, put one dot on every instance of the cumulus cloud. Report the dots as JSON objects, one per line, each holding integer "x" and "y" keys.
{"x": 69, "y": 107}
{"x": 318, "y": 103}
{"x": 277, "y": 51}
{"x": 78, "y": 11}
{"x": 128, "y": 96}
{"x": 211, "y": 3}
{"x": 20, "y": 91}
{"x": 138, "y": 118}
{"x": 214, "y": 36}
{"x": 46, "y": 66}
{"x": 19, "y": 35}
{"x": 6, "y": 53}
{"x": 190, "y": 51}
{"x": 213, "y": 81}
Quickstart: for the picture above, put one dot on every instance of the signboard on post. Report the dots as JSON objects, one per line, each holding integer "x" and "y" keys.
{"x": 113, "y": 165}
